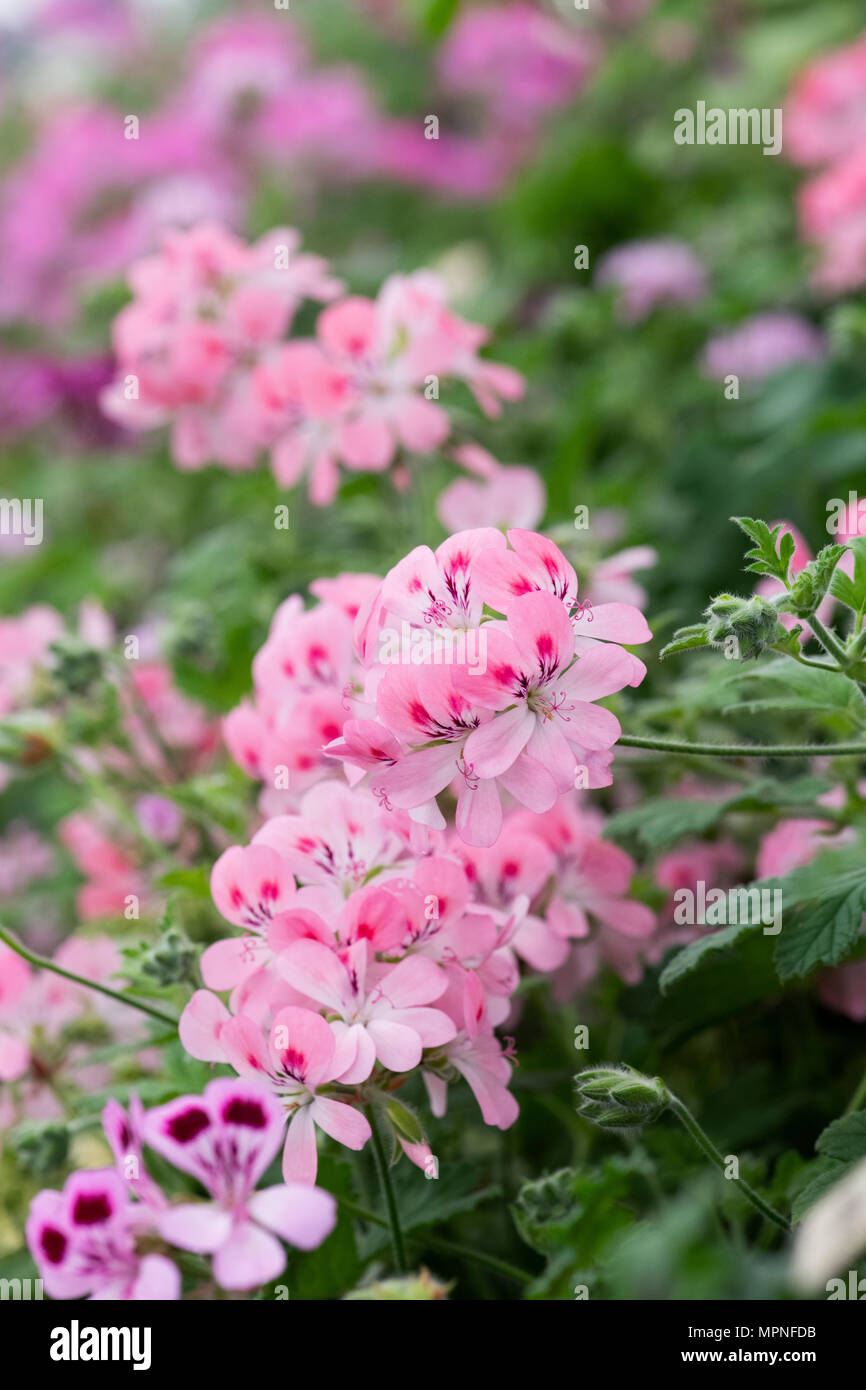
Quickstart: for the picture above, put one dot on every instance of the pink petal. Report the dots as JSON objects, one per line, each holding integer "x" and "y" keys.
{"x": 614, "y": 622}
{"x": 479, "y": 814}
{"x": 343, "y": 1123}
{"x": 200, "y": 1025}
{"x": 493, "y": 747}
{"x": 251, "y": 1256}
{"x": 530, "y": 783}
{"x": 158, "y": 1280}
{"x": 198, "y": 1226}
{"x": 300, "y": 1160}
{"x": 300, "y": 1214}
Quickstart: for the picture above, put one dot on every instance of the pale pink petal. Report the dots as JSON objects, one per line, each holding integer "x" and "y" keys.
{"x": 250, "y": 1257}
{"x": 198, "y": 1226}
{"x": 300, "y": 1214}
{"x": 342, "y": 1122}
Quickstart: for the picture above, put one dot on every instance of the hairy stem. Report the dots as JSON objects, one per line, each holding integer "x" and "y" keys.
{"x": 744, "y": 750}
{"x": 706, "y": 1145}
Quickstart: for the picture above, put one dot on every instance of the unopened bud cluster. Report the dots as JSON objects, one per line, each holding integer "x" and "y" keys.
{"x": 620, "y": 1098}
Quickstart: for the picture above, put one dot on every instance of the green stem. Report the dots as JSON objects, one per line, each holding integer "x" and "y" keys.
{"x": 836, "y": 649}
{"x": 856, "y": 1101}
{"x": 43, "y": 963}
{"x": 745, "y": 750}
{"x": 451, "y": 1247}
{"x": 832, "y": 646}
{"x": 387, "y": 1190}
{"x": 705, "y": 1143}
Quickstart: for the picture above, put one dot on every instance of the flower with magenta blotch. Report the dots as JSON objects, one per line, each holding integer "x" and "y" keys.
{"x": 226, "y": 1138}
{"x": 83, "y": 1240}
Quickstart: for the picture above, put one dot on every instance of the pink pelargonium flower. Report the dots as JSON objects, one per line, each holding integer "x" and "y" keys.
{"x": 505, "y": 497}
{"x": 513, "y": 872}
{"x": 825, "y": 114}
{"x": 226, "y": 1138}
{"x": 481, "y": 1061}
{"x": 517, "y": 58}
{"x": 380, "y": 1009}
{"x": 535, "y": 563}
{"x": 831, "y": 212}
{"x": 432, "y": 589}
{"x": 592, "y": 876}
{"x": 250, "y": 887}
{"x": 83, "y": 1242}
{"x": 299, "y": 1054}
{"x": 544, "y": 698}
{"x": 338, "y": 839}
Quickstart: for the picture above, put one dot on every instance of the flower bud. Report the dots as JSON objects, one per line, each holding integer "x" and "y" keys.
{"x": 619, "y": 1098}
{"x": 813, "y": 581}
{"x": 406, "y": 1125}
{"x": 752, "y": 623}
{"x": 171, "y": 961}
{"x": 76, "y": 666}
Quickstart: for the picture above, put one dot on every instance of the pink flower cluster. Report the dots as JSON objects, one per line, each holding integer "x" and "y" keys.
{"x": 491, "y": 704}
{"x": 366, "y": 955}
{"x": 202, "y": 346}
{"x": 518, "y": 60}
{"x": 96, "y": 1238}
{"x": 436, "y": 690}
{"x": 825, "y": 122}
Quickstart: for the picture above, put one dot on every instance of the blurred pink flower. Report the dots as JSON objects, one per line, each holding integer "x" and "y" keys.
{"x": 652, "y": 272}
{"x": 762, "y": 345}
{"x": 825, "y": 114}
{"x": 503, "y": 497}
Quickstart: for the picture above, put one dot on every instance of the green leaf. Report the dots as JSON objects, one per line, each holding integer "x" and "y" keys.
{"x": 798, "y": 688}
{"x": 424, "y": 1201}
{"x": 439, "y": 15}
{"x": 765, "y": 557}
{"x": 852, "y": 590}
{"x": 700, "y": 953}
{"x": 660, "y": 821}
{"x": 821, "y": 1181}
{"x": 823, "y": 930}
{"x": 845, "y": 1138}
{"x": 685, "y": 639}
{"x": 195, "y": 881}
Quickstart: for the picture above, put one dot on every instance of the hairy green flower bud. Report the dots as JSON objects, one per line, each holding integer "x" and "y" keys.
{"x": 750, "y": 625}
{"x": 171, "y": 961}
{"x": 619, "y": 1098}
{"x": 40, "y": 1146}
{"x": 76, "y": 666}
